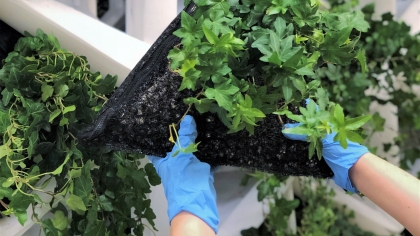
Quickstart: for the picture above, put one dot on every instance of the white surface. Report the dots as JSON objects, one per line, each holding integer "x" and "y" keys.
{"x": 147, "y": 19}
{"x": 108, "y": 50}
{"x": 412, "y": 16}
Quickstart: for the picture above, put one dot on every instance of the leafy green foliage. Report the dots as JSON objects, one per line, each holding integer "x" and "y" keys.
{"x": 48, "y": 94}
{"x": 248, "y": 59}
{"x": 386, "y": 51}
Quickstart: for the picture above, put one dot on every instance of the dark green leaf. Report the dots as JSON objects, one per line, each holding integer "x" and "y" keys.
{"x": 152, "y": 175}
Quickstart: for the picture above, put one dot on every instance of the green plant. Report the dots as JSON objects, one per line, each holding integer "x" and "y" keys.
{"x": 48, "y": 94}
{"x": 393, "y": 61}
{"x": 249, "y": 59}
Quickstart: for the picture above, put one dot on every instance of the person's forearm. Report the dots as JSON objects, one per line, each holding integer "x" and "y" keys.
{"x": 187, "y": 224}
{"x": 394, "y": 190}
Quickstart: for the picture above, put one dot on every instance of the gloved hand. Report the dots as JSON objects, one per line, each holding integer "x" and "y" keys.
{"x": 340, "y": 160}
{"x": 188, "y": 182}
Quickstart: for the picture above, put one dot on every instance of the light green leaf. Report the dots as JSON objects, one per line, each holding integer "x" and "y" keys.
{"x": 354, "y": 137}
{"x": 300, "y": 85}
{"x": 3, "y": 151}
{"x": 53, "y": 115}
{"x": 69, "y": 109}
{"x": 339, "y": 115}
{"x": 75, "y": 203}
{"x": 61, "y": 89}
{"x": 47, "y": 91}
{"x": 299, "y": 130}
{"x": 60, "y": 220}
{"x": 355, "y": 123}
{"x": 361, "y": 57}
{"x": 210, "y": 36}
{"x": 4, "y": 121}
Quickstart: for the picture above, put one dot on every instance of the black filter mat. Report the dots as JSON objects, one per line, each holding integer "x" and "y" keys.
{"x": 8, "y": 39}
{"x": 137, "y": 118}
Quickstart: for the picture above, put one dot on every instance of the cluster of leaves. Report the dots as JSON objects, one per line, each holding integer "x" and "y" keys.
{"x": 316, "y": 213}
{"x": 393, "y": 62}
{"x": 249, "y": 59}
{"x": 280, "y": 208}
{"x": 48, "y": 94}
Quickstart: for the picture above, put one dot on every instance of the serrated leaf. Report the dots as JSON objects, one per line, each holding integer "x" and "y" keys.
{"x": 355, "y": 123}
{"x": 222, "y": 94}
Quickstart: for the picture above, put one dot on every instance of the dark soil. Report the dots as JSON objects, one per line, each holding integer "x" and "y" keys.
{"x": 138, "y": 115}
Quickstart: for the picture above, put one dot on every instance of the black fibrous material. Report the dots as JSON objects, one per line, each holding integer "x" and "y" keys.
{"x": 138, "y": 115}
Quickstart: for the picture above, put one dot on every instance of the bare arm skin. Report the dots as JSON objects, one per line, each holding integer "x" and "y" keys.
{"x": 187, "y": 224}
{"x": 391, "y": 188}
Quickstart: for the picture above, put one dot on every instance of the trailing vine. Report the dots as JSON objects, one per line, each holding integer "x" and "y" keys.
{"x": 48, "y": 94}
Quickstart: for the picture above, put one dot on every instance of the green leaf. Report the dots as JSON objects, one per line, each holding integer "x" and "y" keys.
{"x": 47, "y": 91}
{"x": 354, "y": 137}
{"x": 83, "y": 184}
{"x": 61, "y": 89}
{"x": 361, "y": 57}
{"x": 7, "y": 96}
{"x": 352, "y": 20}
{"x": 53, "y": 115}
{"x": 69, "y": 109}
{"x": 152, "y": 175}
{"x": 105, "y": 203}
{"x": 300, "y": 85}
{"x": 22, "y": 216}
{"x": 3, "y": 151}
{"x": 222, "y": 93}
{"x": 4, "y": 121}
{"x": 210, "y": 36}
{"x": 263, "y": 190}
{"x": 60, "y": 168}
{"x": 60, "y": 220}
{"x": 192, "y": 147}
{"x": 107, "y": 84}
{"x": 20, "y": 202}
{"x": 299, "y": 130}
{"x": 279, "y": 6}
{"x": 355, "y": 123}
{"x": 75, "y": 203}
{"x": 339, "y": 115}
{"x": 190, "y": 29}
{"x": 5, "y": 192}
{"x": 287, "y": 89}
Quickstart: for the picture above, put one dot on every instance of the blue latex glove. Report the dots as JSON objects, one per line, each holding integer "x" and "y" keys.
{"x": 340, "y": 160}
{"x": 188, "y": 182}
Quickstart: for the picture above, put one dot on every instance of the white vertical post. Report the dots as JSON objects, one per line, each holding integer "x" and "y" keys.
{"x": 146, "y": 20}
